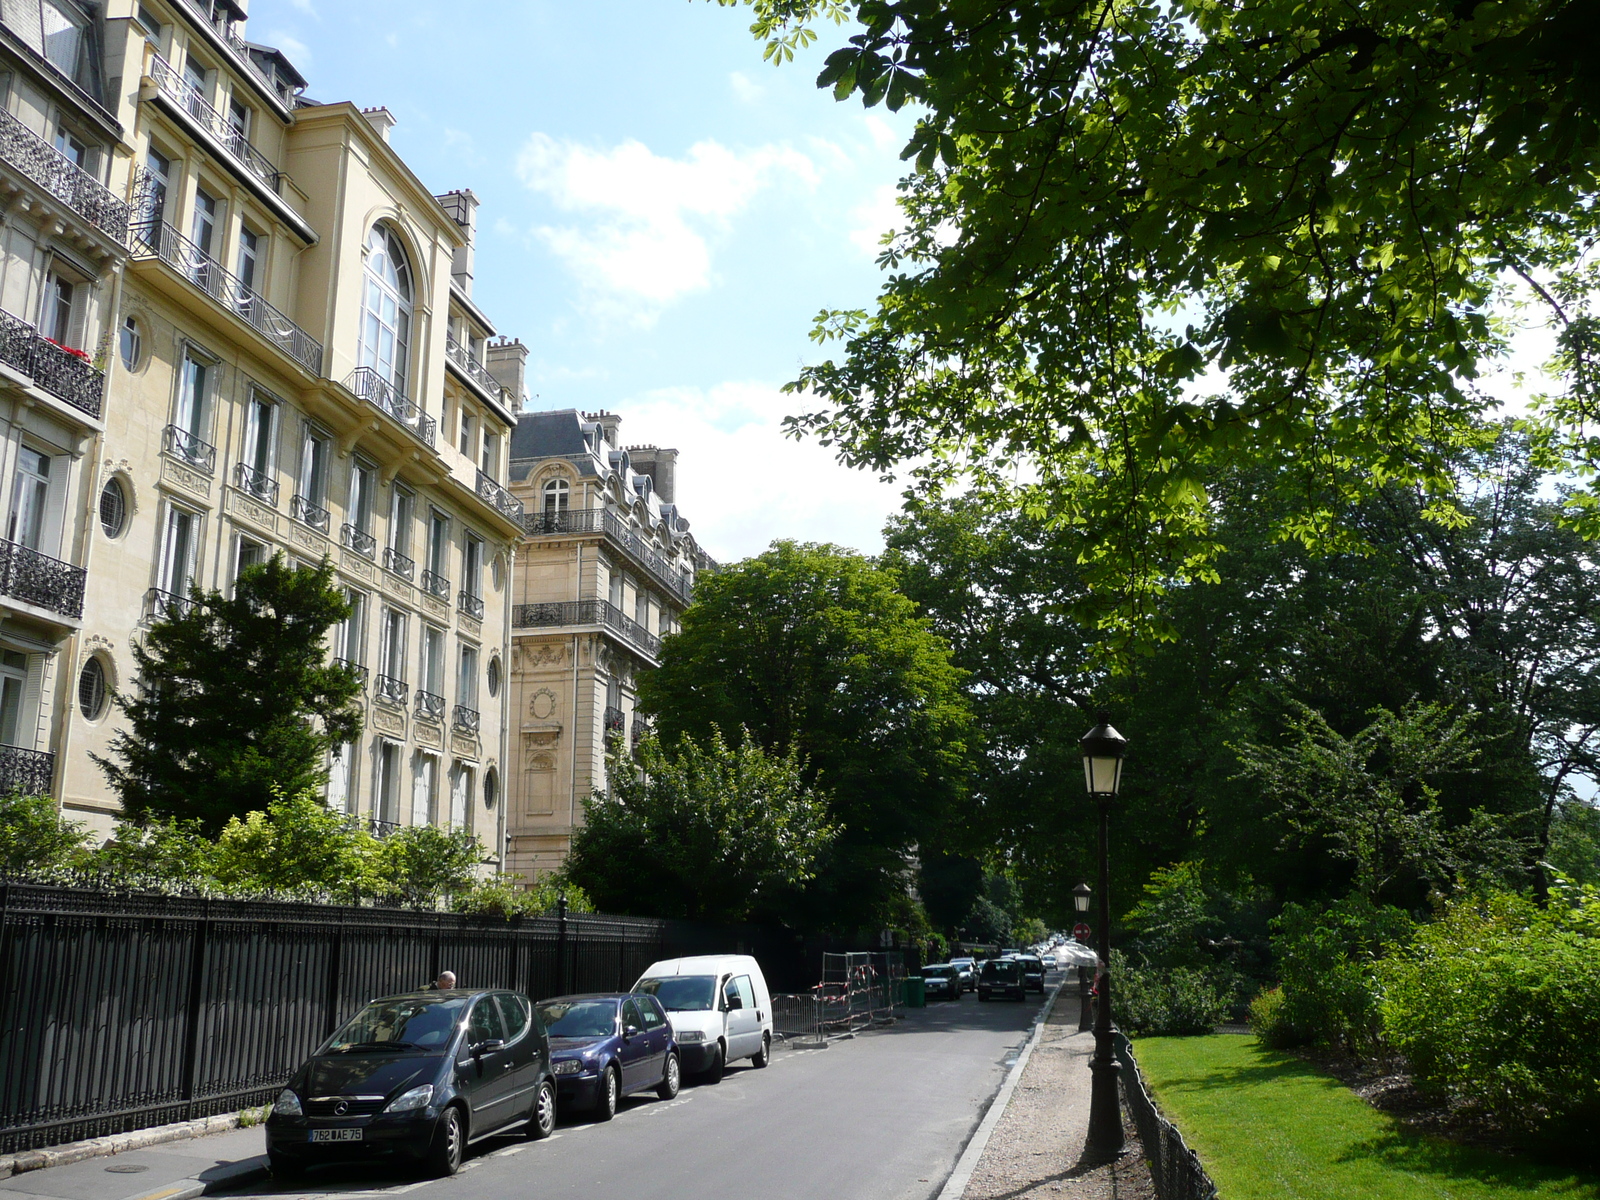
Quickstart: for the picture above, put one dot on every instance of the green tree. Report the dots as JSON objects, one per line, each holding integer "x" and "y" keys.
{"x": 34, "y": 836}
{"x": 816, "y": 653}
{"x": 702, "y": 830}
{"x": 298, "y": 843}
{"x": 235, "y": 700}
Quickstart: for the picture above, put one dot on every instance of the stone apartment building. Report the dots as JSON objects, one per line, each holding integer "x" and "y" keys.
{"x": 271, "y": 344}
{"x": 606, "y": 566}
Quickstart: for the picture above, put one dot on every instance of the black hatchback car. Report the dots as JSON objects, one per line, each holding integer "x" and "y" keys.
{"x": 606, "y": 1046}
{"x": 1001, "y": 977}
{"x": 415, "y": 1078}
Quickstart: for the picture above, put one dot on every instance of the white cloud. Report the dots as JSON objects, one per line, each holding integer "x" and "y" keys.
{"x": 884, "y": 135}
{"x": 746, "y": 89}
{"x": 872, "y": 219}
{"x": 304, "y": 6}
{"x": 645, "y": 223}
{"x": 298, "y": 52}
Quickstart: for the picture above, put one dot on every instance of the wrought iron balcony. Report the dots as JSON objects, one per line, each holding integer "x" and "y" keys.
{"x": 306, "y": 512}
{"x": 177, "y": 89}
{"x": 615, "y": 722}
{"x": 460, "y": 357}
{"x": 587, "y": 612}
{"x": 368, "y": 385}
{"x": 60, "y": 177}
{"x": 394, "y": 561}
{"x": 256, "y": 483}
{"x": 470, "y": 604}
{"x": 63, "y": 373}
{"x": 354, "y": 668}
{"x": 166, "y": 606}
{"x": 216, "y": 16}
{"x": 598, "y": 520}
{"x": 157, "y": 239}
{"x": 30, "y": 772}
{"x": 38, "y": 579}
{"x": 430, "y": 706}
{"x": 508, "y": 505}
{"x": 362, "y": 543}
{"x": 435, "y": 584}
{"x": 465, "y": 719}
{"x": 637, "y": 733}
{"x": 555, "y": 522}
{"x": 389, "y": 690}
{"x": 381, "y": 828}
{"x": 186, "y": 447}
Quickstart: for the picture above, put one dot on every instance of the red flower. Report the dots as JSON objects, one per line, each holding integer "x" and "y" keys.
{"x": 72, "y": 350}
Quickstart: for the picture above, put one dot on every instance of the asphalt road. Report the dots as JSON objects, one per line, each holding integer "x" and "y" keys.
{"x": 880, "y": 1116}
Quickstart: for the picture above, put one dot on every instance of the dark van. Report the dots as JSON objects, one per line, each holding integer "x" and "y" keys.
{"x": 1001, "y": 977}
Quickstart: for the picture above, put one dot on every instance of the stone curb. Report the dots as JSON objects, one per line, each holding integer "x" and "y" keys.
{"x": 116, "y": 1143}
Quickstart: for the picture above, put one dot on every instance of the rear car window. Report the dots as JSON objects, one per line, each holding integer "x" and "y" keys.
{"x": 485, "y": 1022}
{"x": 514, "y": 1010}
{"x": 650, "y": 1010}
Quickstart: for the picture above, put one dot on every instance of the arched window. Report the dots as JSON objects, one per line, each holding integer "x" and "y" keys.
{"x": 386, "y": 308}
{"x": 555, "y": 496}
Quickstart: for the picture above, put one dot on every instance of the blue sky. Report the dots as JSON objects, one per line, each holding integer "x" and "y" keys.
{"x": 662, "y": 216}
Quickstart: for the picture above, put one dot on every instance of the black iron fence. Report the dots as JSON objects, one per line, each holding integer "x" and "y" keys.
{"x": 1174, "y": 1167}
{"x": 121, "y": 1011}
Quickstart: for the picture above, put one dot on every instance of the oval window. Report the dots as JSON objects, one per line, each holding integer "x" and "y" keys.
{"x": 491, "y": 787}
{"x": 132, "y": 343}
{"x": 92, "y": 689}
{"x": 494, "y": 676}
{"x": 113, "y": 508}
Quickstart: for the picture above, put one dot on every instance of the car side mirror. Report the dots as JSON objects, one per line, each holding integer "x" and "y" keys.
{"x": 487, "y": 1046}
{"x": 735, "y": 1002}
{"x": 632, "y": 1031}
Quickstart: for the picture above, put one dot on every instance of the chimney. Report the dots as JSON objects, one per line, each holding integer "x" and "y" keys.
{"x": 661, "y": 464}
{"x": 462, "y": 206}
{"x": 381, "y": 119}
{"x": 506, "y": 359}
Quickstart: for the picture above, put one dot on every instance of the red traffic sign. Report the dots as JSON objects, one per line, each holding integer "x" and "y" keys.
{"x": 1081, "y": 933}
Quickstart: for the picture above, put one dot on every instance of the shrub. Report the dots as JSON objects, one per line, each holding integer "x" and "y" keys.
{"x": 1164, "y": 1002}
{"x": 418, "y": 863}
{"x": 157, "y": 851}
{"x": 1270, "y": 1023}
{"x": 504, "y": 896}
{"x": 298, "y": 844}
{"x": 1327, "y": 961}
{"x": 34, "y": 836}
{"x": 1495, "y": 1004}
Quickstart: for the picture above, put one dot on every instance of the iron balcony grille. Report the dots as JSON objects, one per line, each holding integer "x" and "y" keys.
{"x": 508, "y": 505}
{"x": 362, "y": 543}
{"x": 62, "y": 178}
{"x": 460, "y": 357}
{"x": 470, "y": 604}
{"x": 381, "y": 827}
{"x": 256, "y": 483}
{"x": 157, "y": 239}
{"x": 587, "y": 612}
{"x": 638, "y": 731}
{"x": 213, "y": 122}
{"x": 368, "y": 385}
{"x": 354, "y": 668}
{"x": 38, "y": 579}
{"x": 30, "y": 772}
{"x": 553, "y": 523}
{"x": 182, "y": 444}
{"x": 314, "y": 515}
{"x": 614, "y": 721}
{"x": 219, "y": 21}
{"x": 389, "y": 690}
{"x": 165, "y": 606}
{"x": 59, "y": 371}
{"x": 435, "y": 584}
{"x": 394, "y": 561}
{"x": 430, "y": 705}
{"x": 465, "y": 718}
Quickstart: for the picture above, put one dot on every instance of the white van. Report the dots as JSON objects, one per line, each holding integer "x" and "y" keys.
{"x": 719, "y": 1007}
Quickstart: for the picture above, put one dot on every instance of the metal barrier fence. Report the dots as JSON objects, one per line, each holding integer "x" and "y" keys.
{"x": 1174, "y": 1167}
{"x": 118, "y": 1012}
{"x": 860, "y": 989}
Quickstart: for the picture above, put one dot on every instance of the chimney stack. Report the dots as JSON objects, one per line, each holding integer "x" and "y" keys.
{"x": 661, "y": 464}
{"x": 506, "y": 359}
{"x": 462, "y": 206}
{"x": 381, "y": 119}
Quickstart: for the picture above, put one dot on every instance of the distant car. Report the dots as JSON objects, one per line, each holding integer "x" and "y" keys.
{"x": 1049, "y": 961}
{"x": 1011, "y": 953}
{"x": 415, "y": 1078}
{"x": 1002, "y": 977}
{"x": 1032, "y": 971}
{"x": 604, "y": 1047}
{"x": 969, "y": 972}
{"x": 942, "y": 980}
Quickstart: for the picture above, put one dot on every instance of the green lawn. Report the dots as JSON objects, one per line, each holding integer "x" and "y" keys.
{"x": 1268, "y": 1126}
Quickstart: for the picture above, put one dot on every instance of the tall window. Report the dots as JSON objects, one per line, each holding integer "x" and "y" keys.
{"x": 341, "y": 778}
{"x": 363, "y": 483}
{"x": 615, "y": 595}
{"x": 386, "y": 308}
{"x": 158, "y": 177}
{"x": 469, "y": 428}
{"x": 438, "y": 541}
{"x": 238, "y": 117}
{"x": 472, "y": 567}
{"x": 491, "y": 456}
{"x": 207, "y": 209}
{"x": 350, "y": 641}
{"x": 393, "y": 650}
{"x": 191, "y": 414}
{"x": 55, "y": 321}
{"x": 467, "y": 678}
{"x": 249, "y": 255}
{"x": 555, "y": 496}
{"x": 387, "y": 798}
{"x": 424, "y": 790}
{"x": 432, "y": 660}
{"x": 30, "y": 495}
{"x": 400, "y": 521}
{"x": 260, "y": 426}
{"x": 251, "y": 553}
{"x": 178, "y": 551}
{"x": 195, "y": 76}
{"x": 314, "y": 466}
{"x": 13, "y": 681}
{"x": 460, "y": 794}
{"x": 73, "y": 148}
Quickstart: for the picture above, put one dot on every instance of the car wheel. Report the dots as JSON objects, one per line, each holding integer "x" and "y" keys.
{"x": 765, "y": 1056}
{"x": 719, "y": 1062}
{"x": 605, "y": 1105}
{"x": 671, "y": 1078}
{"x": 449, "y": 1144}
{"x": 543, "y": 1123}
{"x": 284, "y": 1167}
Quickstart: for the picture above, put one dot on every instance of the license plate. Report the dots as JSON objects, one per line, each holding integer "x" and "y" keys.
{"x": 336, "y": 1135}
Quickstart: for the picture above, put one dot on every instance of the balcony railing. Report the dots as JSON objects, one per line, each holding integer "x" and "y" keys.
{"x": 362, "y": 543}
{"x": 470, "y": 604}
{"x": 157, "y": 239}
{"x": 31, "y": 772}
{"x": 394, "y": 561}
{"x": 430, "y": 706}
{"x": 615, "y": 721}
{"x": 224, "y": 28}
{"x": 465, "y": 718}
{"x": 435, "y": 584}
{"x": 182, "y": 444}
{"x": 460, "y": 357}
{"x": 587, "y": 612}
{"x": 555, "y": 522}
{"x": 256, "y": 483}
{"x": 595, "y": 520}
{"x": 166, "y": 606}
{"x": 57, "y": 370}
{"x": 38, "y": 579}
{"x": 381, "y": 828}
{"x": 367, "y": 384}
{"x": 213, "y": 122}
{"x": 496, "y": 495}
{"x": 302, "y": 509}
{"x": 62, "y": 178}
{"x": 354, "y": 668}
{"x": 389, "y": 690}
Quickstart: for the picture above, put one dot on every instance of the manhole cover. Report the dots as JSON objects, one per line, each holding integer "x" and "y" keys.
{"x": 127, "y": 1168}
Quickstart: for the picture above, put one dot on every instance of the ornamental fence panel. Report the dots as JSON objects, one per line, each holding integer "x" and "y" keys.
{"x": 1175, "y": 1168}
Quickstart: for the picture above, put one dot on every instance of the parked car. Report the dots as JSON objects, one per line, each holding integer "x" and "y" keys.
{"x": 942, "y": 980}
{"x": 416, "y": 1078}
{"x": 604, "y": 1047}
{"x": 1002, "y": 977}
{"x": 969, "y": 972}
{"x": 1049, "y": 961}
{"x": 719, "y": 1007}
{"x": 1032, "y": 971}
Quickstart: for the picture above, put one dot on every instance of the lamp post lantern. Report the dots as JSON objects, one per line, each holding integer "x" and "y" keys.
{"x": 1080, "y": 902}
{"x": 1103, "y": 749}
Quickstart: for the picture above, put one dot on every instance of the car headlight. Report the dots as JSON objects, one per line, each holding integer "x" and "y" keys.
{"x": 416, "y": 1098}
{"x": 690, "y": 1036}
{"x": 566, "y": 1066}
{"x": 288, "y": 1104}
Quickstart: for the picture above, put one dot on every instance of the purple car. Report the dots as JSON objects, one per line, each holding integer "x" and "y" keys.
{"x": 607, "y": 1046}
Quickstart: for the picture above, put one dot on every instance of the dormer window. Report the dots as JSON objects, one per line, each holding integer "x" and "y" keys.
{"x": 556, "y": 493}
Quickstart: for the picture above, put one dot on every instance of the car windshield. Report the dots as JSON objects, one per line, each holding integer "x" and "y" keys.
{"x": 682, "y": 993}
{"x": 938, "y": 972}
{"x": 404, "y": 1023}
{"x": 579, "y": 1018}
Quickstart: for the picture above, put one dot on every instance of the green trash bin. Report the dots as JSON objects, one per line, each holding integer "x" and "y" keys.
{"x": 915, "y": 995}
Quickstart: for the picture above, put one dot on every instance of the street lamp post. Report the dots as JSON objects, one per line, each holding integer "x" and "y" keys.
{"x": 1080, "y": 902}
{"x": 1103, "y": 748}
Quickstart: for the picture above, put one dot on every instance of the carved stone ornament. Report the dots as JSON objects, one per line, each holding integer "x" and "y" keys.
{"x": 190, "y": 481}
{"x": 96, "y": 641}
{"x": 543, "y": 705}
{"x": 464, "y": 745}
{"x": 539, "y": 654}
{"x": 388, "y": 721}
{"x": 430, "y": 735}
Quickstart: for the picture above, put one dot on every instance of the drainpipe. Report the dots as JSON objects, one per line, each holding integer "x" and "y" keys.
{"x": 505, "y": 707}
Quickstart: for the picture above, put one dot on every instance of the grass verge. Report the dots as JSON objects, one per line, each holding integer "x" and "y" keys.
{"x": 1269, "y": 1126}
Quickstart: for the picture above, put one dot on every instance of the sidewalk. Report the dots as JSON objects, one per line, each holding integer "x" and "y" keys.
{"x": 177, "y": 1170}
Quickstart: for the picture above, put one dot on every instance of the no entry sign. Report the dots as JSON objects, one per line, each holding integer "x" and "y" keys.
{"x": 1081, "y": 933}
